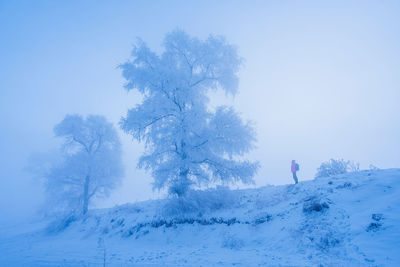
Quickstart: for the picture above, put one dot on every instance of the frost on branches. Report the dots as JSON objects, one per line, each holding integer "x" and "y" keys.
{"x": 91, "y": 163}
{"x": 335, "y": 167}
{"x": 185, "y": 142}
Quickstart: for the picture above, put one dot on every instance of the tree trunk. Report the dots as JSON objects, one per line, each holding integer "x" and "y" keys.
{"x": 86, "y": 195}
{"x": 184, "y": 183}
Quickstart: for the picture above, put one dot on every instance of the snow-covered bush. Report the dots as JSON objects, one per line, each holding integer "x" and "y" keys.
{"x": 201, "y": 201}
{"x": 314, "y": 204}
{"x": 353, "y": 167}
{"x": 335, "y": 167}
{"x": 377, "y": 222}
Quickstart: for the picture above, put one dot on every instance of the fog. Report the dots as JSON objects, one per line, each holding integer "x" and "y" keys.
{"x": 320, "y": 80}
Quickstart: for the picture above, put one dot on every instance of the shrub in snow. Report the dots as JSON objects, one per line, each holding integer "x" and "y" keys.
{"x": 345, "y": 185}
{"x": 353, "y": 167}
{"x": 262, "y": 218}
{"x": 175, "y": 222}
{"x": 314, "y": 204}
{"x": 374, "y": 226}
{"x": 200, "y": 201}
{"x": 377, "y": 216}
{"x": 377, "y": 222}
{"x": 335, "y": 167}
{"x": 187, "y": 143}
{"x": 102, "y": 249}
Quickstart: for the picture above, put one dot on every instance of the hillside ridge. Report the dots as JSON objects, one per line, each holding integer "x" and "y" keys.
{"x": 346, "y": 220}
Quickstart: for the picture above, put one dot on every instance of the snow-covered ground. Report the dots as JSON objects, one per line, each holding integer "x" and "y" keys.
{"x": 347, "y": 220}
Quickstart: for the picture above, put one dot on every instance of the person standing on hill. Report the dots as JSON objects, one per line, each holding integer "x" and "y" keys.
{"x": 295, "y": 168}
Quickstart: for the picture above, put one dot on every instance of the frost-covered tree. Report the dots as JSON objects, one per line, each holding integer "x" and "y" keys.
{"x": 90, "y": 163}
{"x": 336, "y": 167}
{"x": 185, "y": 142}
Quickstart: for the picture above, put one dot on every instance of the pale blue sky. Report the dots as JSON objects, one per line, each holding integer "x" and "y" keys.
{"x": 321, "y": 79}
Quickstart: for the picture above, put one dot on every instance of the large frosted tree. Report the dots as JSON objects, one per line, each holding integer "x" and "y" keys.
{"x": 90, "y": 164}
{"x": 186, "y": 143}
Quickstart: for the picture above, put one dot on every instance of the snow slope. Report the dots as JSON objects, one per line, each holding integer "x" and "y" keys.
{"x": 347, "y": 220}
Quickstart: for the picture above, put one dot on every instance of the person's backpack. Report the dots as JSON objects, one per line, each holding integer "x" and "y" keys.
{"x": 297, "y": 167}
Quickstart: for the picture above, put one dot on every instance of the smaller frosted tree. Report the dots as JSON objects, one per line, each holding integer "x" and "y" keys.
{"x": 186, "y": 142}
{"x": 90, "y": 163}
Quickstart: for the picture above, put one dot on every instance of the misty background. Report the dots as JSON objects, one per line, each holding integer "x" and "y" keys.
{"x": 320, "y": 80}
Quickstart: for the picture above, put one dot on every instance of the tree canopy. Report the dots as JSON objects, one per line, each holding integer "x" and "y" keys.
{"x": 186, "y": 143}
{"x": 90, "y": 164}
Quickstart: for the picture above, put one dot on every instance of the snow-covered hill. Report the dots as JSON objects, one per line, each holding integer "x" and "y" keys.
{"x": 347, "y": 220}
